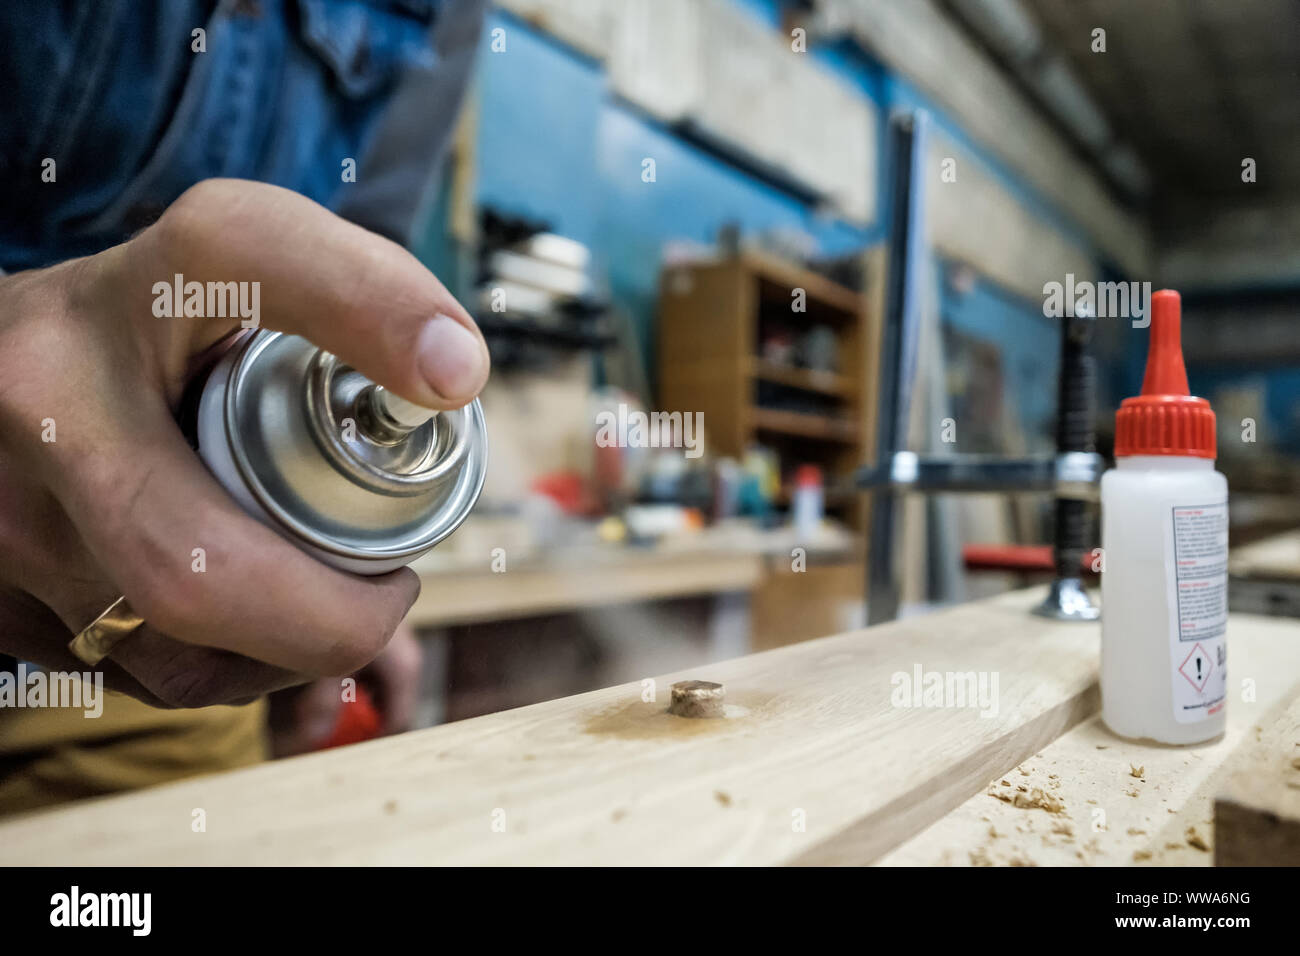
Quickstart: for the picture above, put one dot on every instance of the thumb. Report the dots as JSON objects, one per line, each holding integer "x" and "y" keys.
{"x": 347, "y": 290}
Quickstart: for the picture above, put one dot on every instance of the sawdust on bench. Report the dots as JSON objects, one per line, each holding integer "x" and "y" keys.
{"x": 1029, "y": 798}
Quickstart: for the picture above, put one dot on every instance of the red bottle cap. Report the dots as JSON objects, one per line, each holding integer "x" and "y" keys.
{"x": 808, "y": 476}
{"x": 1165, "y": 419}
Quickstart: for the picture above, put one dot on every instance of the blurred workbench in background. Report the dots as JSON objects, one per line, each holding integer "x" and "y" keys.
{"x": 1264, "y": 576}
{"x": 818, "y": 760}
{"x": 826, "y": 573}
{"x": 461, "y": 585}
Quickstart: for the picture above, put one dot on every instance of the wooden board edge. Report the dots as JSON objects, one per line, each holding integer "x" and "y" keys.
{"x": 870, "y": 838}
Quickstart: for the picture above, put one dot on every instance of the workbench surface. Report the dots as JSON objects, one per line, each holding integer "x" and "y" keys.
{"x": 816, "y": 762}
{"x": 462, "y": 588}
{"x": 1112, "y": 802}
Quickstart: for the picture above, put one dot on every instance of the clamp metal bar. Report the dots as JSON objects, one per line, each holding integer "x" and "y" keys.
{"x": 908, "y": 133}
{"x": 1071, "y": 475}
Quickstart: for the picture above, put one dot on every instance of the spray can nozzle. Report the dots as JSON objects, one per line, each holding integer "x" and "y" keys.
{"x": 388, "y": 417}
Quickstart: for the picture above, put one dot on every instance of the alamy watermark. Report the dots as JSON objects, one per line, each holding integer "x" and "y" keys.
{"x": 633, "y": 428}
{"x": 952, "y": 689}
{"x": 208, "y": 300}
{"x": 131, "y": 911}
{"x": 1105, "y": 300}
{"x": 36, "y": 687}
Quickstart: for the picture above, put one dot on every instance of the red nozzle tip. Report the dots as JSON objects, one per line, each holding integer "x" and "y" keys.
{"x": 1165, "y": 419}
{"x": 1166, "y": 374}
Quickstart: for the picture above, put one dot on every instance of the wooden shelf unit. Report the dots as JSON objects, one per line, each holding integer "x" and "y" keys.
{"x": 812, "y": 380}
{"x": 800, "y": 425}
{"x": 709, "y": 361}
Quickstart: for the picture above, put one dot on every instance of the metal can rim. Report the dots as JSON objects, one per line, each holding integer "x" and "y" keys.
{"x": 475, "y": 468}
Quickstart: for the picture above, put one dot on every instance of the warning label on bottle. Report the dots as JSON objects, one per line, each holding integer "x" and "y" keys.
{"x": 1200, "y": 602}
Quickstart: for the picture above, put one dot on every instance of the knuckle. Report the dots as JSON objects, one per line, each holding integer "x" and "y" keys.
{"x": 360, "y": 636}
{"x": 195, "y": 218}
{"x": 181, "y": 225}
{"x": 357, "y": 647}
{"x": 192, "y": 686}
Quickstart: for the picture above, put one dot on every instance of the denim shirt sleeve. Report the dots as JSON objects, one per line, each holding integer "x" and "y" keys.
{"x": 131, "y": 113}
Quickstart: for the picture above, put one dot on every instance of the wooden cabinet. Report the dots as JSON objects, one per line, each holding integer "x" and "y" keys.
{"x": 714, "y": 322}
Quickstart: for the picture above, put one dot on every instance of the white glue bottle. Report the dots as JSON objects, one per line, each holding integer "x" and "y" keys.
{"x": 1164, "y": 536}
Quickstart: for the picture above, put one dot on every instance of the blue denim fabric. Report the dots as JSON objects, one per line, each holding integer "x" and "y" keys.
{"x": 111, "y": 91}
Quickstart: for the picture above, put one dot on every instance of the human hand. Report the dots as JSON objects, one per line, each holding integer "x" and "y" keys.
{"x": 305, "y": 718}
{"x": 116, "y": 503}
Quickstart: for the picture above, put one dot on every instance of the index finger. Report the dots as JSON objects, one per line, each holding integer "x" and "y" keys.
{"x": 347, "y": 290}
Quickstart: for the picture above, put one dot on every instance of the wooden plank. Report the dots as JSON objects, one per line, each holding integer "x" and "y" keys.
{"x": 813, "y": 764}
{"x": 979, "y": 221}
{"x": 589, "y": 26}
{"x": 727, "y": 75}
{"x": 1107, "y": 815}
{"x": 1257, "y": 816}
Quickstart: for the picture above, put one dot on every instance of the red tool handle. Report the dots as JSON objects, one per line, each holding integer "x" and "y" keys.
{"x": 358, "y": 720}
{"x": 1015, "y": 557}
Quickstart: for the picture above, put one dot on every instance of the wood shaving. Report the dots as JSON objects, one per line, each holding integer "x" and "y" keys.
{"x": 1027, "y": 799}
{"x": 1139, "y": 855}
{"x": 1194, "y": 839}
{"x": 1136, "y": 771}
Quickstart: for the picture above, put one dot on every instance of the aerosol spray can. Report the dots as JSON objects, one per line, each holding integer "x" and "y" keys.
{"x": 354, "y": 475}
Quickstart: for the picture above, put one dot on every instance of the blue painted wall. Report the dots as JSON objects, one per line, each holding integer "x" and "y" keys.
{"x": 1031, "y": 351}
{"x": 555, "y": 144}
{"x": 1279, "y": 426}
